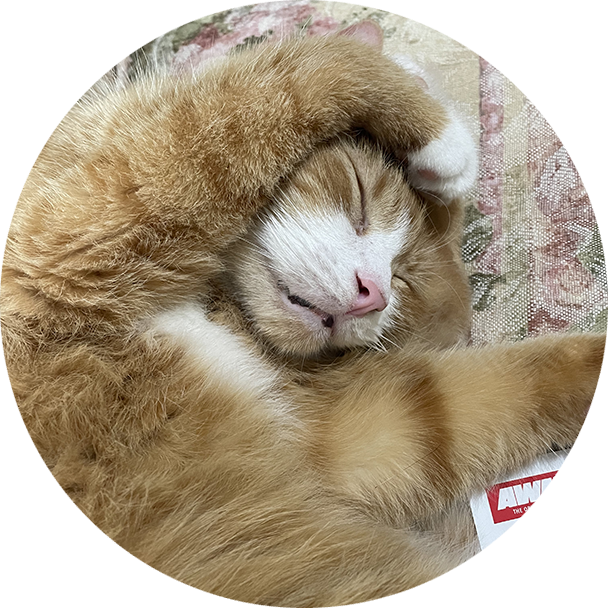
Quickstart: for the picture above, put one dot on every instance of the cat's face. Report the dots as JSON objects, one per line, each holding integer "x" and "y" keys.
{"x": 344, "y": 257}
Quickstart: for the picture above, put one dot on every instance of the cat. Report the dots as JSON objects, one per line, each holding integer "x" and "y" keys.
{"x": 237, "y": 333}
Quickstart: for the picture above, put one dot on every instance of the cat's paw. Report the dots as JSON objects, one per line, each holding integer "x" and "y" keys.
{"x": 447, "y": 167}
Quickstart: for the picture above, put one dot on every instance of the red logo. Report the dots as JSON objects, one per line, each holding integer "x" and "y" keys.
{"x": 524, "y": 498}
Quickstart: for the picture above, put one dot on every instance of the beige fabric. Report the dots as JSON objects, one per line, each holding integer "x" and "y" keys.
{"x": 531, "y": 241}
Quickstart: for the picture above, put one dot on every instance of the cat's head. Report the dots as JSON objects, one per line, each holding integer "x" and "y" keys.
{"x": 348, "y": 255}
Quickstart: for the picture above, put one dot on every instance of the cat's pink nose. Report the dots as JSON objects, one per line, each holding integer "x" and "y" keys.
{"x": 368, "y": 300}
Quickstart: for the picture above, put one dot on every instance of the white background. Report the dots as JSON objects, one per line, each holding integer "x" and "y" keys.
{"x": 549, "y": 563}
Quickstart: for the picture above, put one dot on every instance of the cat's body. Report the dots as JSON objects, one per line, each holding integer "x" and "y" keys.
{"x": 229, "y": 328}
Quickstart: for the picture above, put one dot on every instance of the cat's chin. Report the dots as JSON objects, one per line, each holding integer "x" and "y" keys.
{"x": 309, "y": 331}
{"x": 295, "y": 327}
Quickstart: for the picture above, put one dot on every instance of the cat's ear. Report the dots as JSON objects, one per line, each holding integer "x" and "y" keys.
{"x": 365, "y": 31}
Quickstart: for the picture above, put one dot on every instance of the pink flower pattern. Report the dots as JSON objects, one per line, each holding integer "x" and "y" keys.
{"x": 267, "y": 21}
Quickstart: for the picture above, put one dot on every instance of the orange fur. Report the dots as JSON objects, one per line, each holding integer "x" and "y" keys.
{"x": 309, "y": 474}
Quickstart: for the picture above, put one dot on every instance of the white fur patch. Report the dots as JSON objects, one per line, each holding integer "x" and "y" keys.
{"x": 452, "y": 158}
{"x": 409, "y": 65}
{"x": 318, "y": 255}
{"x": 448, "y": 166}
{"x": 225, "y": 358}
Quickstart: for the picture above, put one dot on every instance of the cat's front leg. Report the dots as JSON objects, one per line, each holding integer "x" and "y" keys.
{"x": 447, "y": 167}
{"x": 407, "y": 434}
{"x": 508, "y": 403}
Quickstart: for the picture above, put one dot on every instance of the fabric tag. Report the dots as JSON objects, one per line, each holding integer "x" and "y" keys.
{"x": 567, "y": 484}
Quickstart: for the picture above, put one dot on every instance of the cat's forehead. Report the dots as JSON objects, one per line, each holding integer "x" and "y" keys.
{"x": 350, "y": 179}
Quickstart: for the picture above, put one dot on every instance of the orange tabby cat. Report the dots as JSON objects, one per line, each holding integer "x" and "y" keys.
{"x": 236, "y": 334}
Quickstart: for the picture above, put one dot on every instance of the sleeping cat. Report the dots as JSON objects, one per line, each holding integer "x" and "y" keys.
{"x": 237, "y": 334}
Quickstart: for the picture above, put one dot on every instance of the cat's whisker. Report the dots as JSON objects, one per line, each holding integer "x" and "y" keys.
{"x": 403, "y": 327}
{"x": 385, "y": 338}
{"x": 452, "y": 288}
{"x": 432, "y": 195}
{"x": 378, "y": 347}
